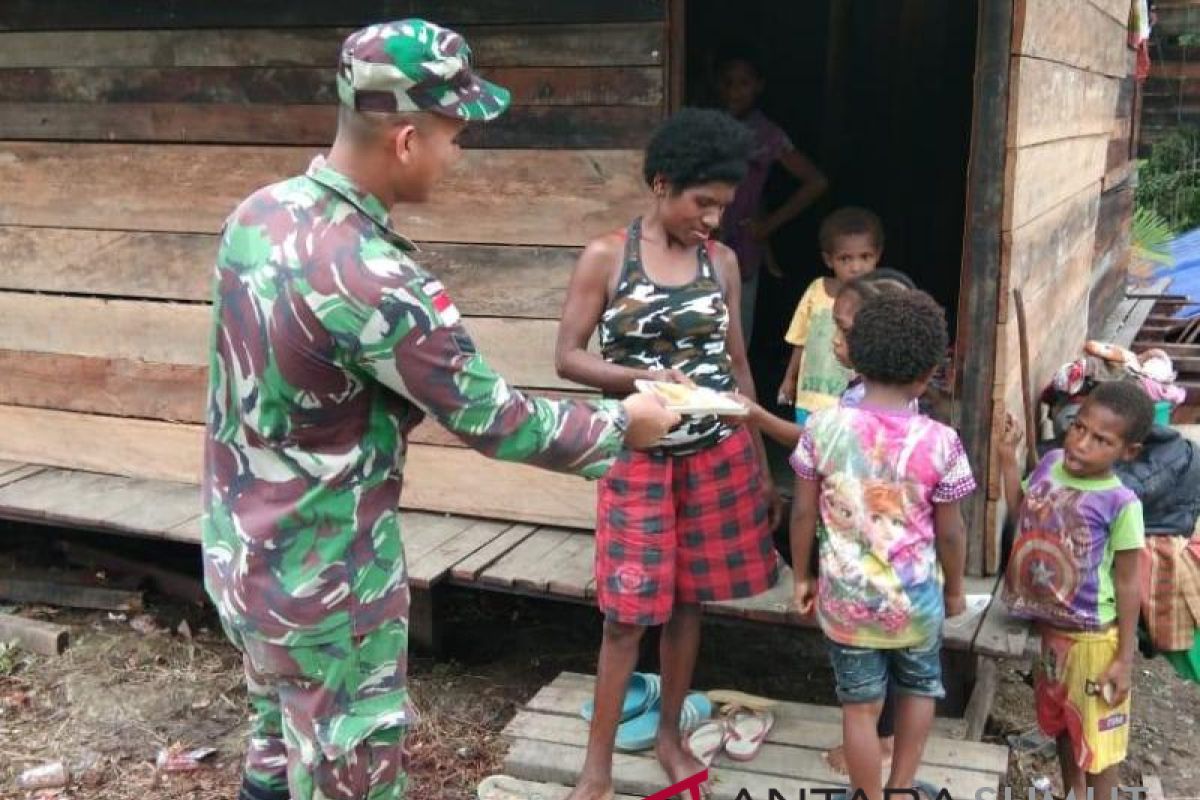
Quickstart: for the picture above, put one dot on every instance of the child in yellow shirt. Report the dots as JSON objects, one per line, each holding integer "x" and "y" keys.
{"x": 851, "y": 245}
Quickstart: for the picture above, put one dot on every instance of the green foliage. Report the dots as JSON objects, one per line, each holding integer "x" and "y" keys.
{"x": 8, "y": 658}
{"x": 1152, "y": 237}
{"x": 1169, "y": 181}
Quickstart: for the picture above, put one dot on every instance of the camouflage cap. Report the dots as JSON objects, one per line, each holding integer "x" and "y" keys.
{"x": 414, "y": 65}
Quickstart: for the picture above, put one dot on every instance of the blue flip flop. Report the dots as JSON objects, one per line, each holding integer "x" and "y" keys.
{"x": 640, "y": 733}
{"x": 641, "y": 694}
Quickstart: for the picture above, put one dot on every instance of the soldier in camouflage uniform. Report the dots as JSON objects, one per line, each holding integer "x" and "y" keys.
{"x": 329, "y": 344}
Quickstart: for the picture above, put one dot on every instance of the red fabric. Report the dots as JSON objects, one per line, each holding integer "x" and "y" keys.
{"x": 684, "y": 528}
{"x": 1056, "y": 714}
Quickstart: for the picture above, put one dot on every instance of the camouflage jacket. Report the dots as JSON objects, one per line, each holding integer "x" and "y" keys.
{"x": 328, "y": 345}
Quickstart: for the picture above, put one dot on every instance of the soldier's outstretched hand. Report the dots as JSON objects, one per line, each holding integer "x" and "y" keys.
{"x": 649, "y": 420}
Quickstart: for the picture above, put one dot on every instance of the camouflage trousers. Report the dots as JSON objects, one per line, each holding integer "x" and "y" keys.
{"x": 328, "y": 721}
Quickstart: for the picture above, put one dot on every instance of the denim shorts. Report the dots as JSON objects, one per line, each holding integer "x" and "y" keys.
{"x": 863, "y": 673}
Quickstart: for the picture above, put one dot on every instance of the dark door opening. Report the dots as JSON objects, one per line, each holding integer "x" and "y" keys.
{"x": 879, "y": 94}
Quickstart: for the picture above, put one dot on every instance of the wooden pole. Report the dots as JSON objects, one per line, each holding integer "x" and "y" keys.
{"x": 1027, "y": 396}
{"x": 44, "y": 638}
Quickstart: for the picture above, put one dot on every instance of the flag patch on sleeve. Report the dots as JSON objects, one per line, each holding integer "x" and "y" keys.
{"x": 441, "y": 302}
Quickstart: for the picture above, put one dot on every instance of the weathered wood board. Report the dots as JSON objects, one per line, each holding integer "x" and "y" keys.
{"x": 434, "y": 476}
{"x": 483, "y": 280}
{"x": 522, "y": 350}
{"x": 566, "y": 197}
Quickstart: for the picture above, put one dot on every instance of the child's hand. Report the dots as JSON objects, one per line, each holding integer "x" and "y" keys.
{"x": 1116, "y": 681}
{"x": 787, "y": 393}
{"x": 955, "y": 604}
{"x": 755, "y": 412}
{"x": 805, "y": 595}
{"x": 1010, "y": 437}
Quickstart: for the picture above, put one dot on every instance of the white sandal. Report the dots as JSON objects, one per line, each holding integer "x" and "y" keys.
{"x": 707, "y": 741}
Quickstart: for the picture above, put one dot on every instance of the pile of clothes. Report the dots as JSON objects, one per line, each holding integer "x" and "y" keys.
{"x": 1102, "y": 362}
{"x": 1166, "y": 477}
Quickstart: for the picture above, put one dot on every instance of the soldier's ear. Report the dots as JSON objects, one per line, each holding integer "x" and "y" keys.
{"x": 404, "y": 137}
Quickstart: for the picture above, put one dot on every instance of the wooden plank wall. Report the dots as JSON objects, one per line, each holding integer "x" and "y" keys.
{"x": 1171, "y": 95}
{"x": 1067, "y": 175}
{"x": 126, "y": 136}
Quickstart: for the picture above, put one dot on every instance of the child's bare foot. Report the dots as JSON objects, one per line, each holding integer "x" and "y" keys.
{"x": 678, "y": 763}
{"x": 592, "y": 789}
{"x": 835, "y": 758}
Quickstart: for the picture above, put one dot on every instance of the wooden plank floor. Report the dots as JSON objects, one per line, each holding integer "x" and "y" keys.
{"x": 548, "y": 739}
{"x": 536, "y": 561}
{"x": 93, "y": 501}
{"x": 559, "y": 563}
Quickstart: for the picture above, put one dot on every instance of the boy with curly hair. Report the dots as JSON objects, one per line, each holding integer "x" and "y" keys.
{"x": 881, "y": 486}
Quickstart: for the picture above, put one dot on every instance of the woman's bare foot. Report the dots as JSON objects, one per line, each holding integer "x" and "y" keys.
{"x": 678, "y": 763}
{"x": 835, "y": 757}
{"x": 591, "y": 789}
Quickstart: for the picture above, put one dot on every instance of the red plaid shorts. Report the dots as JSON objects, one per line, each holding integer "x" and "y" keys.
{"x": 682, "y": 528}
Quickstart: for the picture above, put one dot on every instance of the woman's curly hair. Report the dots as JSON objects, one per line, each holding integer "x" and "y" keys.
{"x": 698, "y": 145}
{"x": 898, "y": 337}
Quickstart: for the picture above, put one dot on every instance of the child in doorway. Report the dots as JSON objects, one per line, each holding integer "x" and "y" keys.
{"x": 849, "y": 300}
{"x": 883, "y": 484}
{"x": 740, "y": 85}
{"x": 1074, "y": 570}
{"x": 851, "y": 245}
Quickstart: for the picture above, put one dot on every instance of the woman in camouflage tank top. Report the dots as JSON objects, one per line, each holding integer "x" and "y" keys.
{"x": 689, "y": 521}
{"x": 671, "y": 329}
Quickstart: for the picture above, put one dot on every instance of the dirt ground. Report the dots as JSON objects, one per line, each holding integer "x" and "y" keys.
{"x": 128, "y": 688}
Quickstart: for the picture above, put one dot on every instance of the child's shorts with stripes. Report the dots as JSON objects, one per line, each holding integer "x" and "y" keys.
{"x": 1070, "y": 699}
{"x": 682, "y": 529}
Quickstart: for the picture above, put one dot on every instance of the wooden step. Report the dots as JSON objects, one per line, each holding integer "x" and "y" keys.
{"x": 534, "y": 790}
{"x": 549, "y": 738}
